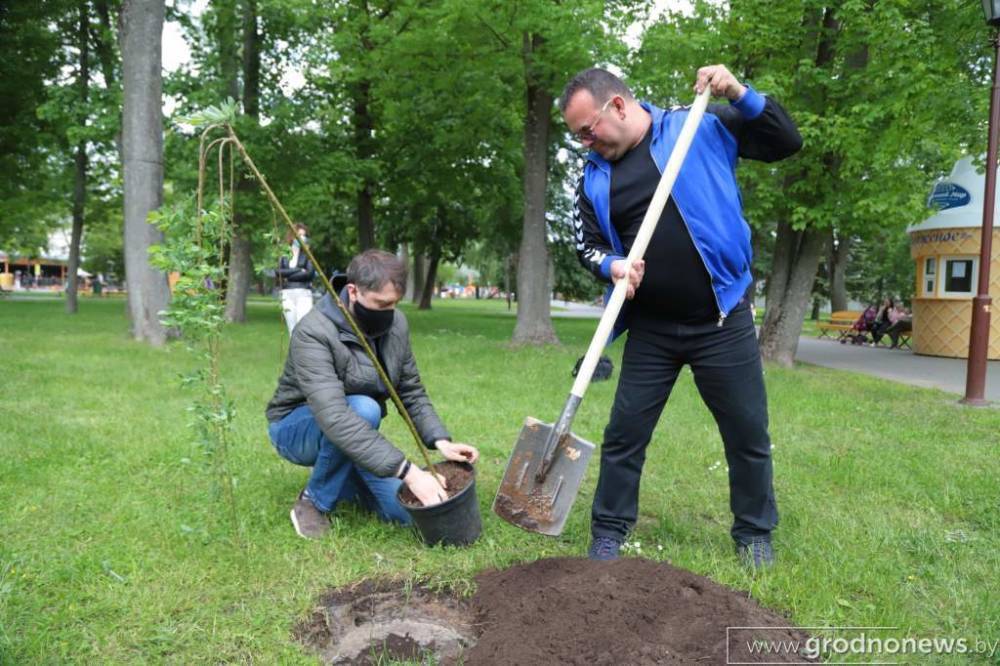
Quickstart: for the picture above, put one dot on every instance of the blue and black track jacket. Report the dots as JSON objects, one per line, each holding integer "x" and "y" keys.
{"x": 705, "y": 194}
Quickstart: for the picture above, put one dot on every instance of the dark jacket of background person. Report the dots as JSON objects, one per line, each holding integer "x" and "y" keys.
{"x": 326, "y": 363}
{"x": 299, "y": 276}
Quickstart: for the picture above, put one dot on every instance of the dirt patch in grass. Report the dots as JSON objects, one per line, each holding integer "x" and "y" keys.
{"x": 374, "y": 622}
{"x": 565, "y": 611}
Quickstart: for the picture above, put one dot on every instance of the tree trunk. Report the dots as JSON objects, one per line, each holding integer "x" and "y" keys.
{"x": 797, "y": 253}
{"x": 228, "y": 53}
{"x": 79, "y": 199}
{"x": 142, "y": 146}
{"x": 80, "y": 164}
{"x": 839, "y": 252}
{"x": 534, "y": 318}
{"x": 404, "y": 256}
{"x": 103, "y": 45}
{"x": 240, "y": 272}
{"x": 427, "y": 293}
{"x": 241, "y": 247}
{"x": 419, "y": 264}
{"x": 365, "y": 151}
{"x": 506, "y": 279}
{"x": 796, "y": 259}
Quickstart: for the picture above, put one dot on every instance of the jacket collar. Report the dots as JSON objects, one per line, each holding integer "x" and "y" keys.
{"x": 329, "y": 308}
{"x": 657, "y": 115}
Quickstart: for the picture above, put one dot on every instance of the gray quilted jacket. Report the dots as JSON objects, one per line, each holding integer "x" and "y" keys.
{"x": 326, "y": 363}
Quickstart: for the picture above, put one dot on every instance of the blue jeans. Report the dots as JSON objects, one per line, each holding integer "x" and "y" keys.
{"x": 335, "y": 478}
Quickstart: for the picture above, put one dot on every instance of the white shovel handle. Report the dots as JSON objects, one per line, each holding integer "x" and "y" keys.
{"x": 638, "y": 249}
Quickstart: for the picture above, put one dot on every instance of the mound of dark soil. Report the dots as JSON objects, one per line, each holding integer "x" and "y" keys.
{"x": 632, "y": 611}
{"x": 555, "y": 611}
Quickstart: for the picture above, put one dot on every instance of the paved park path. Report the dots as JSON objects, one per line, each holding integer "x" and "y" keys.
{"x": 946, "y": 374}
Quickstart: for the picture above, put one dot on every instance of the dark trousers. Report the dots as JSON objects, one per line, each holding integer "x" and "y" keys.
{"x": 728, "y": 373}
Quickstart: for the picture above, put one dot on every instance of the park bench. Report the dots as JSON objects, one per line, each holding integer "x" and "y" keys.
{"x": 903, "y": 340}
{"x": 840, "y": 322}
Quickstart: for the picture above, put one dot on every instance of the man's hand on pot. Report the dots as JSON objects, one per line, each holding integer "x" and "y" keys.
{"x": 457, "y": 451}
{"x": 424, "y": 487}
{"x": 721, "y": 80}
{"x": 634, "y": 275}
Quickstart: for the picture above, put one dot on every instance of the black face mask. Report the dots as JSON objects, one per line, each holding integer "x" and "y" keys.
{"x": 373, "y": 322}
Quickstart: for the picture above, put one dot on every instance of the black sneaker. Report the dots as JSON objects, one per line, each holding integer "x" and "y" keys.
{"x": 756, "y": 553}
{"x": 604, "y": 549}
{"x": 309, "y": 522}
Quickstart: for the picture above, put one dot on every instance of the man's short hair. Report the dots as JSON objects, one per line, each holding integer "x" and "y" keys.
{"x": 600, "y": 83}
{"x": 372, "y": 269}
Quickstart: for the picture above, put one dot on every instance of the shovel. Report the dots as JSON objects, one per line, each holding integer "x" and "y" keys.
{"x": 548, "y": 462}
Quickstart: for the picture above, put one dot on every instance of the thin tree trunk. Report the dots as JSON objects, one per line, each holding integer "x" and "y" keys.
{"x": 365, "y": 151}
{"x": 839, "y": 253}
{"x": 228, "y": 53}
{"x": 419, "y": 264}
{"x": 534, "y": 318}
{"x": 104, "y": 46}
{"x": 755, "y": 242}
{"x": 241, "y": 247}
{"x": 427, "y": 293}
{"x": 506, "y": 279}
{"x": 404, "y": 255}
{"x": 142, "y": 146}
{"x": 79, "y": 200}
{"x": 80, "y": 164}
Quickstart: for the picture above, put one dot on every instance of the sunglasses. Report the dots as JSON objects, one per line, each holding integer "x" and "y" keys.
{"x": 586, "y": 133}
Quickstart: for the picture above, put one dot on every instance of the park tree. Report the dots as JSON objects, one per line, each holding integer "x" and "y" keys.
{"x": 30, "y": 178}
{"x": 445, "y": 189}
{"x": 142, "y": 163}
{"x": 533, "y": 49}
{"x": 245, "y": 51}
{"x": 237, "y": 31}
{"x": 345, "y": 57}
{"x": 87, "y": 112}
{"x": 67, "y": 99}
{"x": 881, "y": 116}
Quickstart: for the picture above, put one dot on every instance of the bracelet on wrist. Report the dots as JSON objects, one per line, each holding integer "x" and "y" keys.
{"x": 405, "y": 469}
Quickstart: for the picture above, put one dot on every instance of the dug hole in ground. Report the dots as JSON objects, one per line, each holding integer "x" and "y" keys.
{"x": 551, "y": 611}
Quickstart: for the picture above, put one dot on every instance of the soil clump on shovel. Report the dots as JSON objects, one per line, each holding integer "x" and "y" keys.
{"x": 554, "y": 611}
{"x": 456, "y": 477}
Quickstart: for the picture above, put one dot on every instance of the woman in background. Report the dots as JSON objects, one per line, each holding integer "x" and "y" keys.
{"x": 296, "y": 273}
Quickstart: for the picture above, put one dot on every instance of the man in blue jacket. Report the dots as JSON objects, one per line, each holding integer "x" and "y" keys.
{"x": 688, "y": 301}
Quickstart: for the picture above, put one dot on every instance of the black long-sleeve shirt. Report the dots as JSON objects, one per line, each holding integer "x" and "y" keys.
{"x": 297, "y": 276}
{"x": 676, "y": 286}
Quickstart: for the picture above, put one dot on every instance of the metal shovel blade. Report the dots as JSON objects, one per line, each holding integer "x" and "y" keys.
{"x": 541, "y": 506}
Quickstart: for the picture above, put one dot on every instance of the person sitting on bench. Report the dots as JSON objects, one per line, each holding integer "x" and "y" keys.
{"x": 902, "y": 322}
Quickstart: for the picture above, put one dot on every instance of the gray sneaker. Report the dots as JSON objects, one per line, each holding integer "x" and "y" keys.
{"x": 757, "y": 553}
{"x": 309, "y": 522}
{"x": 604, "y": 549}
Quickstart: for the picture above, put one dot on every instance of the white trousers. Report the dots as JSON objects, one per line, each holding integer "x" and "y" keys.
{"x": 295, "y": 303}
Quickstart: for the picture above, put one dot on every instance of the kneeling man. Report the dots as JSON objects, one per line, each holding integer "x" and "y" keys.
{"x": 330, "y": 400}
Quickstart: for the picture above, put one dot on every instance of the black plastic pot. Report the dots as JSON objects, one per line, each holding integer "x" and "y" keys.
{"x": 454, "y": 522}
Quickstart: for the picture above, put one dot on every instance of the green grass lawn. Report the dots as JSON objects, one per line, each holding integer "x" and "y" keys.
{"x": 113, "y": 547}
